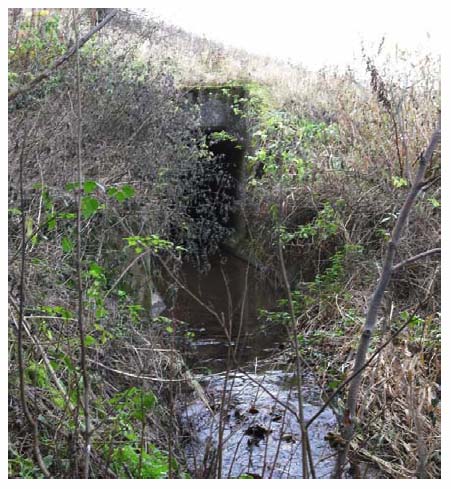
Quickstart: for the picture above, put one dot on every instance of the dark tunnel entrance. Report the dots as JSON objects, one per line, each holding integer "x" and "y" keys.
{"x": 224, "y": 186}
{"x": 212, "y": 191}
{"x": 216, "y": 187}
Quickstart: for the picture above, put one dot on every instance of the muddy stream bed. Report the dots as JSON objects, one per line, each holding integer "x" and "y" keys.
{"x": 261, "y": 434}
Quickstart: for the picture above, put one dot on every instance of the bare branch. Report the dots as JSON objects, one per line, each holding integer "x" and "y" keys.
{"x": 62, "y": 59}
{"x": 349, "y": 420}
{"x": 27, "y": 328}
{"x": 425, "y": 254}
{"x": 306, "y": 451}
{"x": 80, "y": 305}
{"x": 20, "y": 327}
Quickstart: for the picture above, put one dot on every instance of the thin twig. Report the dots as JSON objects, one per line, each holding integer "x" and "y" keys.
{"x": 425, "y": 254}
{"x": 366, "y": 364}
{"x": 32, "y": 422}
{"x": 136, "y": 376}
{"x": 349, "y": 419}
{"x": 62, "y": 59}
{"x": 306, "y": 452}
{"x": 80, "y": 306}
{"x": 42, "y": 353}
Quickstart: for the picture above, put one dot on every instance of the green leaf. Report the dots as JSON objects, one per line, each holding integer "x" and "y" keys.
{"x": 58, "y": 399}
{"x": 68, "y": 362}
{"x": 48, "y": 460}
{"x": 149, "y": 400}
{"x": 128, "y": 191}
{"x": 67, "y": 215}
{"x": 67, "y": 244}
{"x": 89, "y": 206}
{"x": 399, "y": 182}
{"x": 51, "y": 223}
{"x": 89, "y": 186}
{"x": 434, "y": 202}
{"x": 72, "y": 186}
{"x": 120, "y": 196}
{"x": 124, "y": 193}
{"x": 90, "y": 340}
{"x": 101, "y": 312}
{"x": 95, "y": 270}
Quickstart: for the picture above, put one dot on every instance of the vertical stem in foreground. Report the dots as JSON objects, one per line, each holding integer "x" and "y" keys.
{"x": 81, "y": 327}
{"x": 32, "y": 422}
{"x": 306, "y": 452}
{"x": 349, "y": 421}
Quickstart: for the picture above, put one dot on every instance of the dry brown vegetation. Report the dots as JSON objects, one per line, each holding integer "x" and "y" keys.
{"x": 335, "y": 152}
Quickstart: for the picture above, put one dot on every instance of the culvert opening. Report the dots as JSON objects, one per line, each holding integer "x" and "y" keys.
{"x": 224, "y": 186}
{"x": 216, "y": 188}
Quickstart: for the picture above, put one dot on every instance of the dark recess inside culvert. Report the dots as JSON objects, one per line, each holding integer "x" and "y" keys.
{"x": 229, "y": 160}
{"x": 218, "y": 189}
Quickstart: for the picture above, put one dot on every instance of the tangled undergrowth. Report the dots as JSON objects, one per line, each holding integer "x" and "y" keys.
{"x": 330, "y": 159}
{"x": 334, "y": 234}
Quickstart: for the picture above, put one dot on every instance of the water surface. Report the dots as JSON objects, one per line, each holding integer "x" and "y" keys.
{"x": 236, "y": 292}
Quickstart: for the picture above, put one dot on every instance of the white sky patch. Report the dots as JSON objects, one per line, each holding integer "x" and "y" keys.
{"x": 313, "y": 33}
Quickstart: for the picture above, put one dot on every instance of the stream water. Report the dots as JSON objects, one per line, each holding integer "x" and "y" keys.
{"x": 236, "y": 293}
{"x": 256, "y": 402}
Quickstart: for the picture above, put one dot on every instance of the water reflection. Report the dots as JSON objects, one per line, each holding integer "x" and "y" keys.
{"x": 235, "y": 292}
